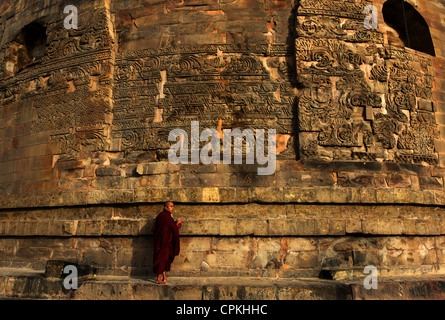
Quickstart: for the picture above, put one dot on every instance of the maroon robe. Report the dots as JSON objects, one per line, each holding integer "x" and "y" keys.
{"x": 165, "y": 242}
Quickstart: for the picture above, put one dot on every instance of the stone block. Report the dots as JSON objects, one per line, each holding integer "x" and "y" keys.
{"x": 251, "y": 179}
{"x": 227, "y": 194}
{"x": 421, "y": 227}
{"x": 33, "y": 253}
{"x": 356, "y": 166}
{"x": 261, "y": 228}
{"x": 416, "y": 197}
{"x": 56, "y": 228}
{"x": 278, "y": 227}
{"x": 300, "y": 195}
{"x": 337, "y": 227}
{"x": 202, "y": 244}
{"x": 232, "y": 259}
{"x": 409, "y": 226}
{"x": 89, "y": 227}
{"x": 368, "y": 195}
{"x": 322, "y": 226}
{"x": 303, "y": 227}
{"x": 353, "y": 226}
{"x": 370, "y": 226}
{"x": 143, "y": 292}
{"x": 210, "y": 195}
{"x": 187, "y": 292}
{"x": 152, "y": 168}
{"x": 192, "y": 260}
{"x": 305, "y": 179}
{"x": 98, "y": 257}
{"x": 336, "y": 260}
{"x": 265, "y": 194}
{"x": 120, "y": 227}
{"x": 352, "y": 179}
{"x": 152, "y": 195}
{"x": 200, "y": 227}
{"x": 99, "y": 197}
{"x": 233, "y": 292}
{"x": 228, "y": 227}
{"x": 323, "y": 195}
{"x": 112, "y": 182}
{"x": 314, "y": 292}
{"x": 238, "y": 244}
{"x": 398, "y": 181}
{"x": 193, "y": 179}
{"x": 103, "y": 171}
{"x": 245, "y": 226}
{"x": 439, "y": 197}
{"x": 433, "y": 226}
{"x": 298, "y": 244}
{"x": 429, "y": 197}
{"x": 340, "y": 195}
{"x": 317, "y": 165}
{"x": 415, "y": 169}
{"x": 385, "y": 195}
{"x": 389, "y": 226}
{"x": 123, "y": 196}
{"x": 183, "y": 194}
{"x": 69, "y": 227}
{"x": 367, "y": 257}
{"x": 426, "y": 105}
{"x": 402, "y": 196}
{"x": 431, "y": 183}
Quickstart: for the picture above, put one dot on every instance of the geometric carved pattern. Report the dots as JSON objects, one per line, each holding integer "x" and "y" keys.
{"x": 70, "y": 89}
{"x": 158, "y": 90}
{"x": 361, "y": 100}
{"x": 356, "y": 100}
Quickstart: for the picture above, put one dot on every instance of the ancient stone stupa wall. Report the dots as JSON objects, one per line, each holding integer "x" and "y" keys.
{"x": 358, "y": 111}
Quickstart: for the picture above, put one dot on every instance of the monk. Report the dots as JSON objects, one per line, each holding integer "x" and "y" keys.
{"x": 165, "y": 242}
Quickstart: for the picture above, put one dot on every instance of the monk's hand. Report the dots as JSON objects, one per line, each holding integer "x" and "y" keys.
{"x": 179, "y": 221}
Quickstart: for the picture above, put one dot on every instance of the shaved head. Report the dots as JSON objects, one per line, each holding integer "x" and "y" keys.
{"x": 168, "y": 205}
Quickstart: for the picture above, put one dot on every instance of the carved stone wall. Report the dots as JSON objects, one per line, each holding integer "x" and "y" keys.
{"x": 363, "y": 99}
{"x": 85, "y": 119}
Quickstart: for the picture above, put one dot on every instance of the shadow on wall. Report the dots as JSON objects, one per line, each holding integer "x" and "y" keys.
{"x": 142, "y": 255}
{"x": 292, "y": 77}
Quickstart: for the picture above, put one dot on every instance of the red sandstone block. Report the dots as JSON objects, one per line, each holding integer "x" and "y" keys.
{"x": 431, "y": 182}
{"x": 398, "y": 181}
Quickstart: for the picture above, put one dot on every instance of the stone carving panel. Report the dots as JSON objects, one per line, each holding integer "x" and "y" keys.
{"x": 70, "y": 88}
{"x": 361, "y": 100}
{"x": 221, "y": 86}
{"x": 357, "y": 99}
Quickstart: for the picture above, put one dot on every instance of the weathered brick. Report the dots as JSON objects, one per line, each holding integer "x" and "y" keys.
{"x": 152, "y": 168}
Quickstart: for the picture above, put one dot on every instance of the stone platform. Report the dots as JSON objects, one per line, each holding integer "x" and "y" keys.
{"x": 27, "y": 284}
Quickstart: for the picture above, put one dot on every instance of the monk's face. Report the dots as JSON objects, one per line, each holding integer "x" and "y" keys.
{"x": 170, "y": 207}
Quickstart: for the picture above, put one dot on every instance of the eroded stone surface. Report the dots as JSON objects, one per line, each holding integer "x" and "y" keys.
{"x": 85, "y": 116}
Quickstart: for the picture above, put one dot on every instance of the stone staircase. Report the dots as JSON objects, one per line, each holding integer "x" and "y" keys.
{"x": 30, "y": 284}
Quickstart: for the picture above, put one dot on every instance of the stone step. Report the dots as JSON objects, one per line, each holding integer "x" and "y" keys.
{"x": 28, "y": 284}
